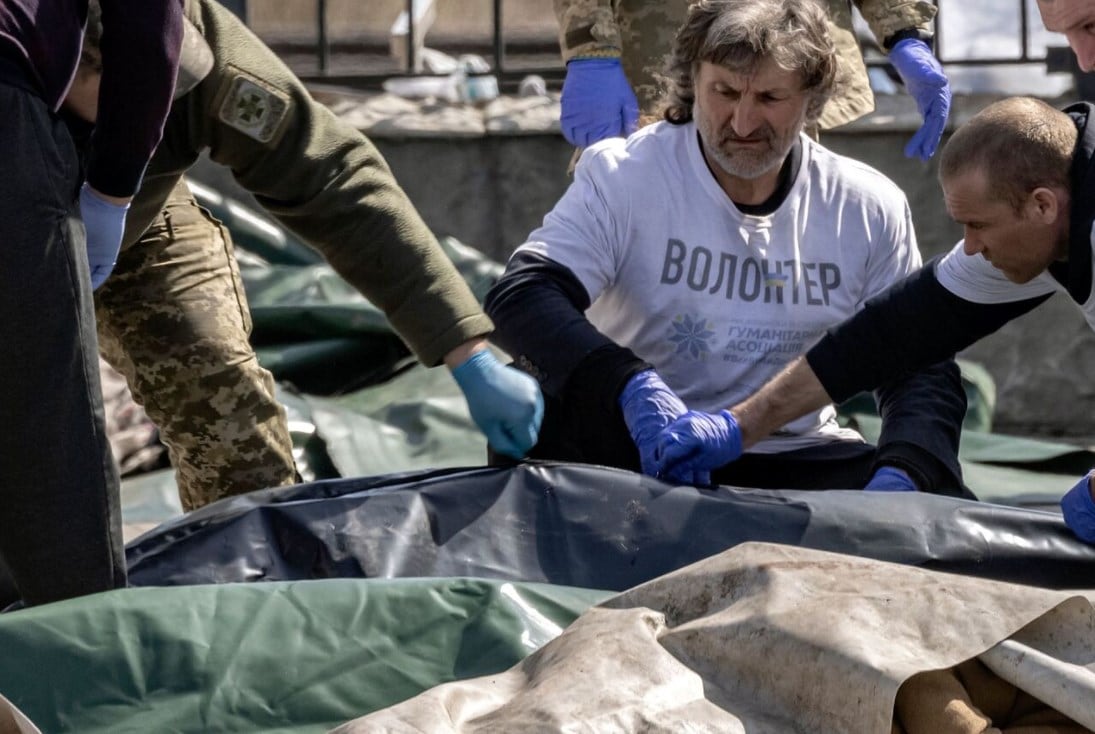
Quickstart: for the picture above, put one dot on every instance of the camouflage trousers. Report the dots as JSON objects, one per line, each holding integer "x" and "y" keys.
{"x": 173, "y": 319}
{"x": 647, "y": 30}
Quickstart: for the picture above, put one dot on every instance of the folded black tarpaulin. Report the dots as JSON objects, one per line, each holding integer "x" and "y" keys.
{"x": 583, "y": 526}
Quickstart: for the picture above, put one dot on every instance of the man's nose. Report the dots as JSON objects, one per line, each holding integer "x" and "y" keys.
{"x": 745, "y": 118}
{"x": 1083, "y": 44}
{"x": 971, "y": 246}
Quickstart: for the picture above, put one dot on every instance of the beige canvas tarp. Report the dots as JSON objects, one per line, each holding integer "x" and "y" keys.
{"x": 770, "y": 638}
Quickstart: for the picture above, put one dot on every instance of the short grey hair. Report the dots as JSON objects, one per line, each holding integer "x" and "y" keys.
{"x": 741, "y": 34}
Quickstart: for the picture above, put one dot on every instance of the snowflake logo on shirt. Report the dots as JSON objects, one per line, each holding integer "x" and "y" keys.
{"x": 692, "y": 336}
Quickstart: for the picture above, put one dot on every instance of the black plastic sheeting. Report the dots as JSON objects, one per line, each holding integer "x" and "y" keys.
{"x": 584, "y": 526}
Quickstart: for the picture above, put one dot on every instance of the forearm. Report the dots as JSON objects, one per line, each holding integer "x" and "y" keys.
{"x": 913, "y": 324}
{"x": 460, "y": 354}
{"x": 140, "y": 49}
{"x": 326, "y": 182}
{"x": 587, "y": 29}
{"x": 539, "y": 307}
{"x": 368, "y": 230}
{"x": 887, "y": 18}
{"x": 792, "y": 393}
{"x": 922, "y": 418}
{"x": 115, "y": 200}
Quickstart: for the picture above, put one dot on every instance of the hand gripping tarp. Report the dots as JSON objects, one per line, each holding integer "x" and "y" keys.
{"x": 584, "y": 526}
{"x": 767, "y": 638}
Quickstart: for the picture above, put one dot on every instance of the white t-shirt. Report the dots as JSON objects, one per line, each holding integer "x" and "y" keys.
{"x": 973, "y": 278}
{"x": 717, "y": 300}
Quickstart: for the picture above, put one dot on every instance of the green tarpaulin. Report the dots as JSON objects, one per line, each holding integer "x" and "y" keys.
{"x": 296, "y": 657}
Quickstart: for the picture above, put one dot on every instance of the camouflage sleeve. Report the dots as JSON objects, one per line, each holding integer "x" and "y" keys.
{"x": 325, "y": 181}
{"x": 887, "y": 17}
{"x": 587, "y": 29}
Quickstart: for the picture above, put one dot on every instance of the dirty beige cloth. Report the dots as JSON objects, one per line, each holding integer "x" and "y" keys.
{"x": 761, "y": 638}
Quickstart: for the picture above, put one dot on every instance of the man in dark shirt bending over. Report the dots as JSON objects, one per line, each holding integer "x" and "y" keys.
{"x": 1020, "y": 178}
{"x": 60, "y": 532}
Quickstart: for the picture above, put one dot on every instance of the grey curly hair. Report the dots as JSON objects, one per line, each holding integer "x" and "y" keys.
{"x": 739, "y": 35}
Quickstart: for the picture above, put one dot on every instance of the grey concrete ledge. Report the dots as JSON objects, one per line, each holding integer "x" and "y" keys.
{"x": 383, "y": 115}
{"x": 898, "y": 113}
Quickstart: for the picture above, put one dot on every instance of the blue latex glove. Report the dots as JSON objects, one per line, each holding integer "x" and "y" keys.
{"x": 597, "y": 102}
{"x": 648, "y": 406}
{"x": 505, "y": 403}
{"x": 104, "y": 223}
{"x": 890, "y": 479}
{"x": 926, "y": 82}
{"x": 698, "y": 442}
{"x": 1079, "y": 509}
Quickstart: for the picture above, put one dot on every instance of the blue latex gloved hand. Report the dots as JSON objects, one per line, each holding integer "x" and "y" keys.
{"x": 926, "y": 82}
{"x": 1079, "y": 509}
{"x": 698, "y": 442}
{"x": 104, "y": 223}
{"x": 597, "y": 102}
{"x": 890, "y": 479}
{"x": 505, "y": 403}
{"x": 648, "y": 406}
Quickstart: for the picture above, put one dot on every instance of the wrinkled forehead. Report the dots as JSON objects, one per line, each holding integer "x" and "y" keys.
{"x": 761, "y": 73}
{"x": 1060, "y": 16}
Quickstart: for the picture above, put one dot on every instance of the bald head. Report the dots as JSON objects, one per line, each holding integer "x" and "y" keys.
{"x": 1076, "y": 20}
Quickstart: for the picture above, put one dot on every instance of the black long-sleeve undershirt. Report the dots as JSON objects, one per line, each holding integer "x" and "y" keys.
{"x": 539, "y": 305}
{"x": 538, "y": 308}
{"x": 914, "y": 323}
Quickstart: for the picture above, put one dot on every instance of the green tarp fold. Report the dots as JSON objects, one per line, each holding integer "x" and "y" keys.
{"x": 297, "y": 657}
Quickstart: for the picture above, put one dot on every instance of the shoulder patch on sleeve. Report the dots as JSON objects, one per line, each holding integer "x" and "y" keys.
{"x": 252, "y": 106}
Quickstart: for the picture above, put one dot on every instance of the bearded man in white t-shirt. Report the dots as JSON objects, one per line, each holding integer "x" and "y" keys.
{"x": 688, "y": 264}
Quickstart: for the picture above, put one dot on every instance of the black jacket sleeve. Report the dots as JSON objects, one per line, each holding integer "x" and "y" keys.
{"x": 911, "y": 325}
{"x": 538, "y": 307}
{"x": 922, "y": 417}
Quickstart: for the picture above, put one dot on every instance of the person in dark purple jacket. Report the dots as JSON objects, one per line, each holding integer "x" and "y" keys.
{"x": 60, "y": 531}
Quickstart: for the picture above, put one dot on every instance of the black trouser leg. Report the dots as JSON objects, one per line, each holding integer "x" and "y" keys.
{"x": 60, "y": 531}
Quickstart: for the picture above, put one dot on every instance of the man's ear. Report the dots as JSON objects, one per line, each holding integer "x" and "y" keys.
{"x": 1048, "y": 204}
